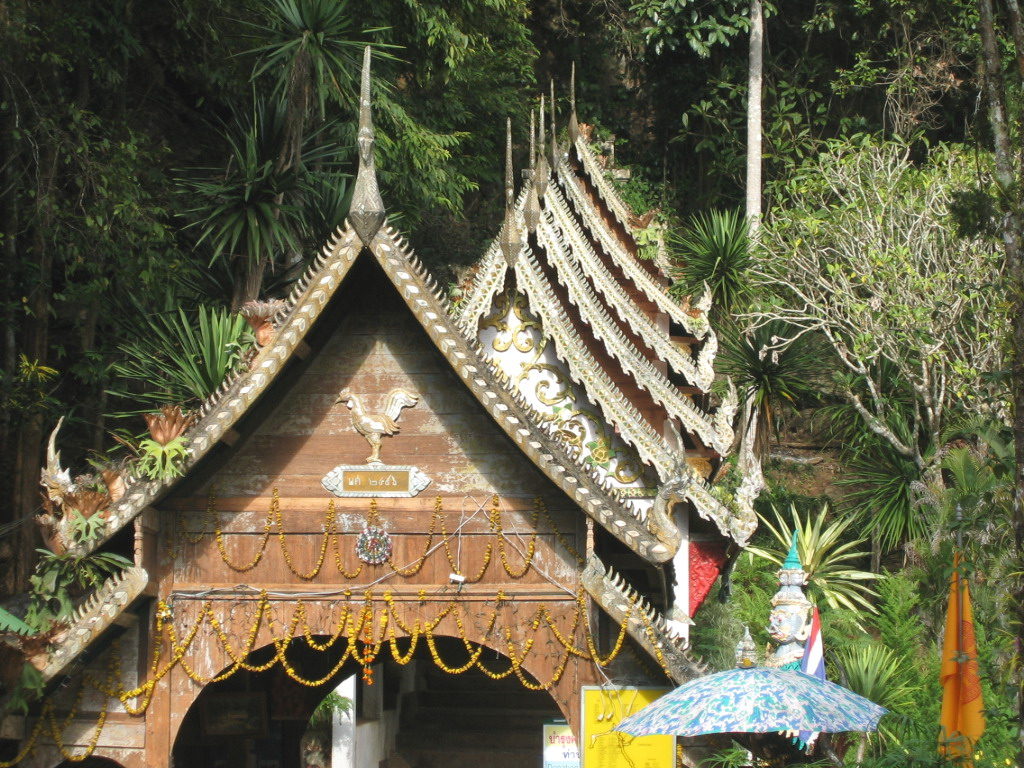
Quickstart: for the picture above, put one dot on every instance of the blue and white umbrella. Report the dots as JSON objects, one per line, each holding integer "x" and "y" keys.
{"x": 755, "y": 700}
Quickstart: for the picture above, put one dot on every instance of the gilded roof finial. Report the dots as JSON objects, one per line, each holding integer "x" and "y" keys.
{"x": 574, "y": 124}
{"x": 366, "y": 213}
{"x": 510, "y": 182}
{"x": 531, "y": 211}
{"x": 554, "y": 131}
{"x": 540, "y": 174}
{"x": 509, "y": 241}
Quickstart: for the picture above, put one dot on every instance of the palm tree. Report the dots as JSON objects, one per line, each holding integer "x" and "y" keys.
{"x": 315, "y": 49}
{"x": 713, "y": 250}
{"x": 772, "y": 370}
{"x": 826, "y": 558}
{"x": 240, "y": 208}
{"x": 886, "y": 487}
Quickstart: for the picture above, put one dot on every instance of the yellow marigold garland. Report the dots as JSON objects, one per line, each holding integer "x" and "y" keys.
{"x": 357, "y": 632}
{"x": 275, "y": 521}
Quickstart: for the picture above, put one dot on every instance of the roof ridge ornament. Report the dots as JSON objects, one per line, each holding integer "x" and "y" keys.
{"x": 574, "y": 123}
{"x": 531, "y": 210}
{"x": 554, "y": 131}
{"x": 366, "y": 212}
{"x": 540, "y": 173}
{"x": 509, "y": 240}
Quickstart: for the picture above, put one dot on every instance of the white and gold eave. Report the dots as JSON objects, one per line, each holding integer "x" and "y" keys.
{"x": 513, "y": 339}
{"x": 694, "y": 320}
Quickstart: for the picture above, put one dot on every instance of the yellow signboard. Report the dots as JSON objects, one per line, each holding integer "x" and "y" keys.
{"x": 602, "y": 747}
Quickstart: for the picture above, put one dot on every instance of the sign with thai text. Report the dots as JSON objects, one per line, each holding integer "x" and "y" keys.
{"x": 396, "y": 481}
{"x": 560, "y": 748}
{"x": 374, "y": 480}
{"x": 603, "y": 747}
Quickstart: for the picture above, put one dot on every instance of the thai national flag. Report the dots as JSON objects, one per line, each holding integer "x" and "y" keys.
{"x": 813, "y": 663}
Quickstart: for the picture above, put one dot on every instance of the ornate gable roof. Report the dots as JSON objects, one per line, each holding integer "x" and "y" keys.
{"x": 597, "y": 314}
{"x": 600, "y": 318}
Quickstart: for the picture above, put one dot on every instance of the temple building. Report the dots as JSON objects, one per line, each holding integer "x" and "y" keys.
{"x": 468, "y": 513}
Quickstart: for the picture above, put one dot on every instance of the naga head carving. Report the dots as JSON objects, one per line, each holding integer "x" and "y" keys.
{"x": 56, "y": 480}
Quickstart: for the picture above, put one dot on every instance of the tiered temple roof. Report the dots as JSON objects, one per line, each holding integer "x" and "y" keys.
{"x": 583, "y": 328}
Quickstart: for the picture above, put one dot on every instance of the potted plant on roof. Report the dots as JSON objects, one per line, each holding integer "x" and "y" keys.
{"x": 259, "y": 315}
{"x": 163, "y": 453}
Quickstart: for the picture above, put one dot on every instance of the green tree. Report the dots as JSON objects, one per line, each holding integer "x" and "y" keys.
{"x": 862, "y": 255}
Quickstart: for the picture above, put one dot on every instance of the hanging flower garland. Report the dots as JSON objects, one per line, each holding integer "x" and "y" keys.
{"x": 366, "y": 631}
{"x": 371, "y": 542}
{"x": 354, "y": 627}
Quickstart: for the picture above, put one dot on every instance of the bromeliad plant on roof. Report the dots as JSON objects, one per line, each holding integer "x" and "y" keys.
{"x": 259, "y": 315}
{"x": 180, "y": 357}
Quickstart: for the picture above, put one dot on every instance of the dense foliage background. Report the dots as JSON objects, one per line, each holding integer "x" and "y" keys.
{"x": 163, "y": 163}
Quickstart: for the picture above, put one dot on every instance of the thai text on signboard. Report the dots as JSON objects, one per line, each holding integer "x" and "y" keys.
{"x": 560, "y": 749}
{"x": 372, "y": 479}
{"x": 375, "y": 480}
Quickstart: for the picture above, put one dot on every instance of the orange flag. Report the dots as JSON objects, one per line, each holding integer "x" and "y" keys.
{"x": 963, "y": 720}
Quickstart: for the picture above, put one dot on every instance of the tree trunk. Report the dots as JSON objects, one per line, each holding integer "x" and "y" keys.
{"x": 35, "y": 345}
{"x": 248, "y": 280}
{"x": 1017, "y": 27}
{"x": 12, "y": 551}
{"x": 756, "y": 68}
{"x": 1012, "y": 232}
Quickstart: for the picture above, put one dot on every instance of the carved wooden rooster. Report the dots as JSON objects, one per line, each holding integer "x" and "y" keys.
{"x": 373, "y": 426}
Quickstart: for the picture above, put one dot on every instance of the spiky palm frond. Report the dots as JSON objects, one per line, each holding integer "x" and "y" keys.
{"x": 315, "y": 48}
{"x": 180, "y": 358}
{"x": 877, "y": 673}
{"x": 240, "y": 209}
{"x": 883, "y": 676}
{"x": 327, "y": 197}
{"x": 713, "y": 249}
{"x": 827, "y": 559}
{"x": 884, "y": 485}
{"x": 771, "y": 367}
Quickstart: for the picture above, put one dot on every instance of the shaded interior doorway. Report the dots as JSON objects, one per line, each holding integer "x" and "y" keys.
{"x": 413, "y": 715}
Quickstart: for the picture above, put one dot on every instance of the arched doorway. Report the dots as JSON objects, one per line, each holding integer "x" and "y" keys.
{"x": 413, "y": 715}
{"x": 91, "y": 762}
